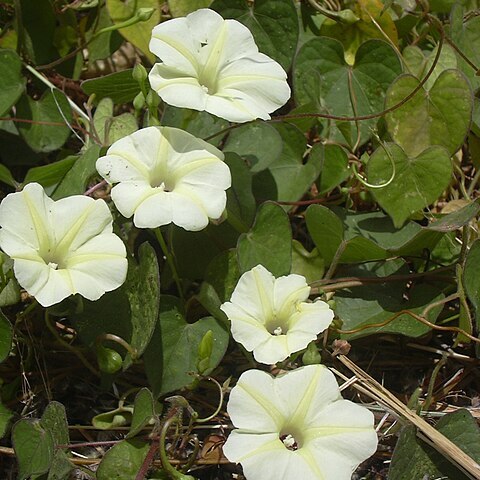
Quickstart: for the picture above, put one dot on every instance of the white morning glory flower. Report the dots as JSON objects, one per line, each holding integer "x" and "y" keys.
{"x": 297, "y": 425}
{"x": 166, "y": 175}
{"x": 213, "y": 64}
{"x": 271, "y": 317}
{"x": 61, "y": 248}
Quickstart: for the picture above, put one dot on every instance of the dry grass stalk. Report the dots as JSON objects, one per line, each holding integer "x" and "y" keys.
{"x": 425, "y": 431}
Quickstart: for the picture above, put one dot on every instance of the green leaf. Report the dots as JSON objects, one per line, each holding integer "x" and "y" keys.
{"x": 48, "y": 175}
{"x": 210, "y": 301}
{"x": 61, "y": 466}
{"x": 268, "y": 243}
{"x": 10, "y": 290}
{"x": 12, "y": 83}
{"x": 199, "y": 124}
{"x": 455, "y": 220}
{"x": 140, "y": 33}
{"x": 415, "y": 184}
{"x": 123, "y": 460}
{"x": 411, "y": 239}
{"x": 446, "y": 61}
{"x": 273, "y": 23}
{"x": 366, "y": 20}
{"x": 105, "y": 44}
{"x": 33, "y": 446}
{"x": 334, "y": 167}
{"x": 323, "y": 77}
{"x": 181, "y": 8}
{"x": 195, "y": 250}
{"x": 377, "y": 302}
{"x": 413, "y": 458}
{"x": 143, "y": 291}
{"x": 38, "y": 22}
{"x": 439, "y": 116}
{"x": 326, "y": 230}
{"x": 173, "y": 352}
{"x": 54, "y": 420}
{"x": 51, "y": 107}
{"x": 240, "y": 200}
{"x": 130, "y": 312}
{"x": 115, "y": 418}
{"x": 309, "y": 264}
{"x": 6, "y": 416}
{"x": 7, "y": 177}
{"x": 288, "y": 178}
{"x": 466, "y": 36}
{"x": 76, "y": 179}
{"x": 258, "y": 143}
{"x": 143, "y": 412}
{"x": 120, "y": 87}
{"x": 6, "y": 336}
{"x": 121, "y": 126}
{"x": 471, "y": 278}
{"x": 415, "y": 60}
{"x": 223, "y": 274}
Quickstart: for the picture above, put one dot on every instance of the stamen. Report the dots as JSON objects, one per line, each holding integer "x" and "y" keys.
{"x": 289, "y": 442}
{"x": 53, "y": 265}
{"x": 278, "y": 331}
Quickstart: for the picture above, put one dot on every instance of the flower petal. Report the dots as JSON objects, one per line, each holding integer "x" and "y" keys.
{"x": 77, "y": 219}
{"x": 47, "y": 285}
{"x": 254, "y": 293}
{"x": 305, "y": 391}
{"x": 275, "y": 348}
{"x": 245, "y": 329}
{"x": 282, "y": 464}
{"x": 163, "y": 208}
{"x": 26, "y": 214}
{"x": 251, "y": 405}
{"x": 287, "y": 292}
{"x": 178, "y": 89}
{"x": 128, "y": 196}
{"x": 98, "y": 266}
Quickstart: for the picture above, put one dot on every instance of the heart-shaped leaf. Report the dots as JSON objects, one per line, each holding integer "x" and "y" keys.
{"x": 273, "y": 23}
{"x": 413, "y": 458}
{"x": 12, "y": 84}
{"x": 33, "y": 446}
{"x": 439, "y": 116}
{"x": 123, "y": 460}
{"x": 288, "y": 177}
{"x": 268, "y": 243}
{"x": 376, "y": 303}
{"x": 52, "y": 107}
{"x": 323, "y": 77}
{"x": 138, "y": 34}
{"x": 172, "y": 354}
{"x": 466, "y": 35}
{"x": 417, "y": 181}
{"x": 258, "y": 143}
{"x": 180, "y": 8}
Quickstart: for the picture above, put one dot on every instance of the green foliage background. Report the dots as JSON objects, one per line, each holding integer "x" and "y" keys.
{"x": 366, "y": 183}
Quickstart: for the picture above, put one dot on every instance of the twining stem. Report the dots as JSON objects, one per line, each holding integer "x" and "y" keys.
{"x": 170, "y": 260}
{"x": 65, "y": 344}
{"x": 431, "y": 385}
{"x": 167, "y": 466}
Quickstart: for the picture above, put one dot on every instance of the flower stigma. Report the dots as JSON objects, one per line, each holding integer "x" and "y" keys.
{"x": 289, "y": 442}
